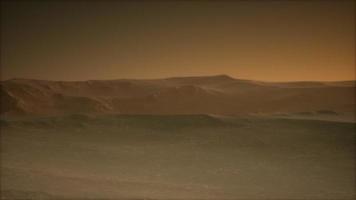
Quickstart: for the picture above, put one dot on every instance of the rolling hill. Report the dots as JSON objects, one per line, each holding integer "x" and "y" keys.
{"x": 207, "y": 138}
{"x": 219, "y": 94}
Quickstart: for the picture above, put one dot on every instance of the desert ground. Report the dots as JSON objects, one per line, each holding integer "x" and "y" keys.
{"x": 207, "y": 138}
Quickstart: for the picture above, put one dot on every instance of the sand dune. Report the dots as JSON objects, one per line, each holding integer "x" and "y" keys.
{"x": 176, "y": 157}
{"x": 212, "y": 137}
{"x": 179, "y": 95}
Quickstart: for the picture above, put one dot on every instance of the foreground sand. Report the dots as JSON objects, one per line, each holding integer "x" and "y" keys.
{"x": 176, "y": 157}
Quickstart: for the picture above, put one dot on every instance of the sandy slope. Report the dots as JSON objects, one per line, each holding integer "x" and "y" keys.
{"x": 176, "y": 157}
{"x": 211, "y": 137}
{"x": 181, "y": 95}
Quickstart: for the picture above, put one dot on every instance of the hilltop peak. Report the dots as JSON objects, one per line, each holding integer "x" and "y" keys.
{"x": 224, "y": 76}
{"x": 219, "y": 77}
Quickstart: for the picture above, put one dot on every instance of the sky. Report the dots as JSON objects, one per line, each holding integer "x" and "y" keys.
{"x": 272, "y": 40}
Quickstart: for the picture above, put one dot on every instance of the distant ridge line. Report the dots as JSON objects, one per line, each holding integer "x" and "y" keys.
{"x": 225, "y": 76}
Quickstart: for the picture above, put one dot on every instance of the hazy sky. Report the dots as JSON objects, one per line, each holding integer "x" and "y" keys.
{"x": 263, "y": 40}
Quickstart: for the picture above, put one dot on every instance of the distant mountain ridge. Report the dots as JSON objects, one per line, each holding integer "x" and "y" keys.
{"x": 219, "y": 94}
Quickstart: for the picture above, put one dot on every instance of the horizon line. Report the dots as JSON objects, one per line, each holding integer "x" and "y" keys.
{"x": 172, "y": 77}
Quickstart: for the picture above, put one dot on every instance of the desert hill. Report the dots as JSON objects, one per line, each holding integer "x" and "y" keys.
{"x": 212, "y": 137}
{"x": 219, "y": 94}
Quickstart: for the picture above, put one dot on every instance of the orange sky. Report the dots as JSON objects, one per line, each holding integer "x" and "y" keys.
{"x": 262, "y": 40}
